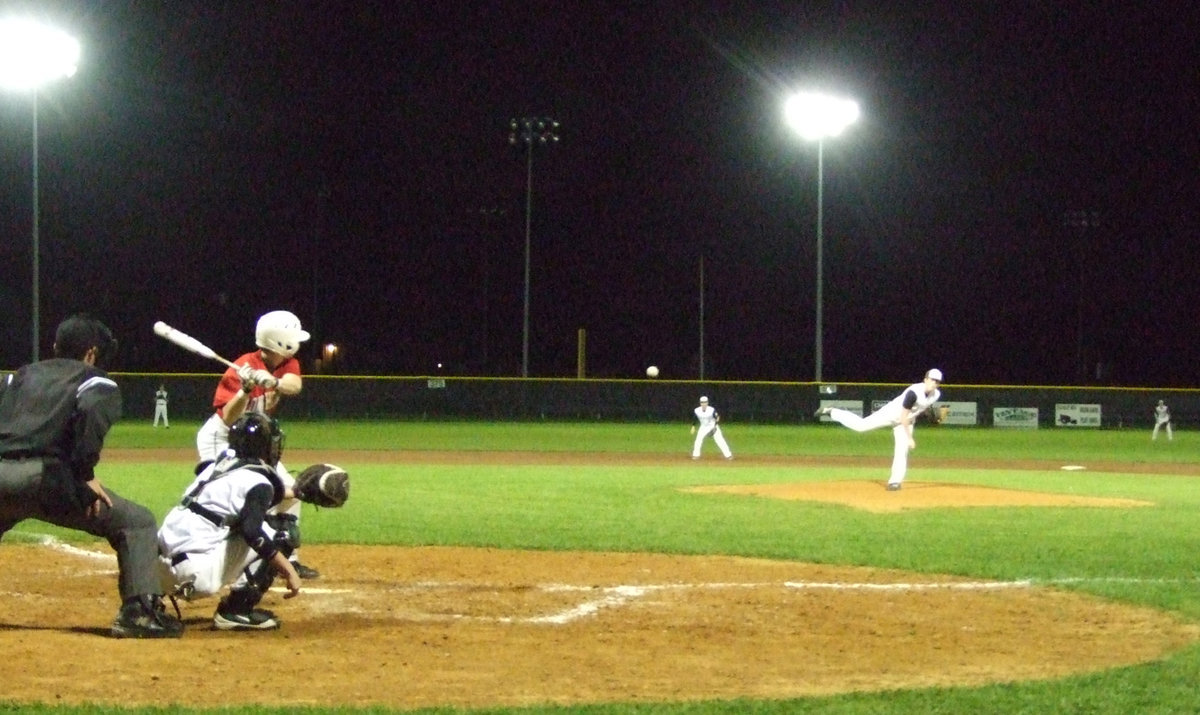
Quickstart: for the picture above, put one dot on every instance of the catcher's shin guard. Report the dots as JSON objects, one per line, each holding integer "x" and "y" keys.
{"x": 242, "y": 600}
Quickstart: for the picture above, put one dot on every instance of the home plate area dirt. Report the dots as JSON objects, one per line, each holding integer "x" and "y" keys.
{"x": 411, "y": 627}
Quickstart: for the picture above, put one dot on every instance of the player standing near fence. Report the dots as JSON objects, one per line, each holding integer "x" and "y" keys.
{"x": 709, "y": 423}
{"x": 1162, "y": 418}
{"x": 160, "y": 406}
{"x": 899, "y": 414}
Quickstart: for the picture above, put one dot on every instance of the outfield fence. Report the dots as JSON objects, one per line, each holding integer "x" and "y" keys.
{"x": 451, "y": 398}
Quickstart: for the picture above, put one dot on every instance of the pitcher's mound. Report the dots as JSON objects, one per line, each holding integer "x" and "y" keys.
{"x": 874, "y": 496}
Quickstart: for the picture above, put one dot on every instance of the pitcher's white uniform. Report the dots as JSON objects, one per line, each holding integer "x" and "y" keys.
{"x": 708, "y": 418}
{"x": 1162, "y": 417}
{"x": 898, "y": 414}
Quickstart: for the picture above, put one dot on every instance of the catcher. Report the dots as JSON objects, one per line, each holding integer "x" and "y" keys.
{"x": 221, "y": 534}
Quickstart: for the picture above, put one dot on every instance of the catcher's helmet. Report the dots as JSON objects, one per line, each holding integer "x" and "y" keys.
{"x": 279, "y": 331}
{"x": 256, "y": 436}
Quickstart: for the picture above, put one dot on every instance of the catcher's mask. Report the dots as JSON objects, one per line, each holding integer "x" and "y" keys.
{"x": 279, "y": 331}
{"x": 256, "y": 436}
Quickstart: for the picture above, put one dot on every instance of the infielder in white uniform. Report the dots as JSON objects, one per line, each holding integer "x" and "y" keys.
{"x": 899, "y": 414}
{"x": 709, "y": 424}
{"x": 219, "y": 535}
{"x": 1162, "y": 418}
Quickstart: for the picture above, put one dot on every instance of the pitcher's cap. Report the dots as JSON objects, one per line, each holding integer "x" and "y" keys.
{"x": 934, "y": 374}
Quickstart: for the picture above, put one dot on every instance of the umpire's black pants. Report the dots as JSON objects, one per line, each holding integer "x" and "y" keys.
{"x": 130, "y": 528}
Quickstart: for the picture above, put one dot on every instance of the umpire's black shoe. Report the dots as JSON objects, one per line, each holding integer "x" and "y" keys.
{"x": 306, "y": 572}
{"x": 145, "y": 616}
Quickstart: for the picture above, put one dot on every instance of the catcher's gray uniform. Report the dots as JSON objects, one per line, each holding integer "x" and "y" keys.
{"x": 200, "y": 554}
{"x": 220, "y": 534}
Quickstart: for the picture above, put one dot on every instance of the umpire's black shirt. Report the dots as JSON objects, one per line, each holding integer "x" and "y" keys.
{"x": 58, "y": 408}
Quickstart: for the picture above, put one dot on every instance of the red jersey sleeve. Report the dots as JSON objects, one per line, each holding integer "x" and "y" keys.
{"x": 231, "y": 383}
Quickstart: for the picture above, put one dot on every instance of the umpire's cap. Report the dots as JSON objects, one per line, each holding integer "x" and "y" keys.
{"x": 80, "y": 333}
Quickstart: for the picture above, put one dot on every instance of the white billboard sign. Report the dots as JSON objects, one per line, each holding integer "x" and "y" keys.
{"x": 1023, "y": 417}
{"x": 1073, "y": 415}
{"x": 958, "y": 413}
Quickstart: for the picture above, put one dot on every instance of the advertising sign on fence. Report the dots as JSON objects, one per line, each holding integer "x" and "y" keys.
{"x": 1072, "y": 415}
{"x": 958, "y": 413}
{"x": 1026, "y": 417}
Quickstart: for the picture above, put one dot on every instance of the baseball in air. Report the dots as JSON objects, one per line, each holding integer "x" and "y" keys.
{"x": 652, "y": 371}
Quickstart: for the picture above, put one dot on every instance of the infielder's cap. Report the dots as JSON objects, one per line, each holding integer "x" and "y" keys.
{"x": 934, "y": 374}
{"x": 703, "y": 398}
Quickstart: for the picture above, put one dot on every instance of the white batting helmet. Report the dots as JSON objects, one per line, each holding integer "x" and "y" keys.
{"x": 279, "y": 331}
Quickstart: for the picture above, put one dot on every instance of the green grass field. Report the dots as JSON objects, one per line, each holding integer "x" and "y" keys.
{"x": 1143, "y": 556}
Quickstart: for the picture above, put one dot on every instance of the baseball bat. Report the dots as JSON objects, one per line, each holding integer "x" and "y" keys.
{"x": 189, "y": 343}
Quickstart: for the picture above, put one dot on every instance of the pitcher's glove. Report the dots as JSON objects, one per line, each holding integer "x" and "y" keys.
{"x": 323, "y": 485}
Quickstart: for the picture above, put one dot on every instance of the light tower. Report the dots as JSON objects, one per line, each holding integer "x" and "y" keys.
{"x": 816, "y": 117}
{"x": 531, "y": 132}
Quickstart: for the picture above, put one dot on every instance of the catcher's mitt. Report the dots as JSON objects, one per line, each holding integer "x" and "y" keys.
{"x": 323, "y": 485}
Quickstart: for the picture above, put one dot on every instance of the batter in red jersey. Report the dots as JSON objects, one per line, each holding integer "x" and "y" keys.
{"x": 263, "y": 376}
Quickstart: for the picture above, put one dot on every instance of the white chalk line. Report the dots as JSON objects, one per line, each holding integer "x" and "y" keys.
{"x": 616, "y": 596}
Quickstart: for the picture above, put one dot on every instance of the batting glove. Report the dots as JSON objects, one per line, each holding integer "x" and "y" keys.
{"x": 245, "y": 373}
{"x": 265, "y": 379}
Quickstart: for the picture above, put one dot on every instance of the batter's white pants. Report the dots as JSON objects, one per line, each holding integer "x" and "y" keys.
{"x": 873, "y": 421}
{"x": 718, "y": 438}
{"x": 1154, "y": 435}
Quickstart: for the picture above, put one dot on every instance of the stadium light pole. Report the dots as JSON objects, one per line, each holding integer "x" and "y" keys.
{"x": 817, "y": 117}
{"x": 1081, "y": 221}
{"x": 32, "y": 55}
{"x": 530, "y": 131}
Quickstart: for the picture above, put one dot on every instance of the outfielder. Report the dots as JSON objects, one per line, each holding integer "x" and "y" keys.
{"x": 218, "y": 535}
{"x": 256, "y": 386}
{"x": 709, "y": 421}
{"x": 160, "y": 406}
{"x": 899, "y": 414}
{"x": 1162, "y": 418}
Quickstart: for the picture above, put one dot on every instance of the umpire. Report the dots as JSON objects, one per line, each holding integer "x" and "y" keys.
{"x": 54, "y": 415}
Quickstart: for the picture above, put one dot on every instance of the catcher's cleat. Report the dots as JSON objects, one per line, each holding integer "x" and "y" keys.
{"x": 145, "y": 617}
{"x": 305, "y": 572}
{"x": 256, "y": 619}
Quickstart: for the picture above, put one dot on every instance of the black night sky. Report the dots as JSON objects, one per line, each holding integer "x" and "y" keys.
{"x": 349, "y": 161}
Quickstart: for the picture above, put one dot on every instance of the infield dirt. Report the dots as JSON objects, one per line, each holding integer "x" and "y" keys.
{"x": 411, "y": 627}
